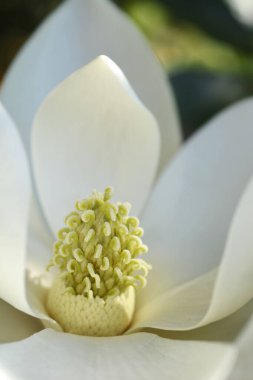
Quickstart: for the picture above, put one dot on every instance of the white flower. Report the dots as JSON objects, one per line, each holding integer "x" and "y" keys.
{"x": 90, "y": 131}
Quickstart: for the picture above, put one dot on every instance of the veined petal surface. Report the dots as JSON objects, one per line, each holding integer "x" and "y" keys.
{"x": 200, "y": 217}
{"x": 140, "y": 356}
{"x": 91, "y": 132}
{"x": 90, "y": 28}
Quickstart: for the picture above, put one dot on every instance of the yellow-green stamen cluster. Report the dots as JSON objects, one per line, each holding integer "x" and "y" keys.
{"x": 97, "y": 252}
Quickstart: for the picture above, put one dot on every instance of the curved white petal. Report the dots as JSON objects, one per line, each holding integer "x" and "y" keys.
{"x": 54, "y": 355}
{"x": 243, "y": 368}
{"x": 234, "y": 285}
{"x": 38, "y": 253}
{"x": 91, "y": 132}
{"x": 226, "y": 330}
{"x": 202, "y": 220}
{"x": 15, "y": 237}
{"x": 237, "y": 328}
{"x": 39, "y": 241}
{"x": 74, "y": 35}
{"x": 15, "y": 325}
{"x": 15, "y": 192}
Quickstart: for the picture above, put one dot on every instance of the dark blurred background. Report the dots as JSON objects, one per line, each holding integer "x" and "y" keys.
{"x": 206, "y": 47}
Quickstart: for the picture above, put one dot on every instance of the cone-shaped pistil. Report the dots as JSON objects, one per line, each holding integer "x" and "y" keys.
{"x": 98, "y": 257}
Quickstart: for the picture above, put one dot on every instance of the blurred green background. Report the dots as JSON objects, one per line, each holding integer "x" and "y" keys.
{"x": 206, "y": 50}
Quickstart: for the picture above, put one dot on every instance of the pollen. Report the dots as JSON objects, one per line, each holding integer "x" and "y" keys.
{"x": 98, "y": 257}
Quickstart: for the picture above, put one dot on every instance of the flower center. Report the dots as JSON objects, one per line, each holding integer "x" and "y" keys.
{"x": 97, "y": 254}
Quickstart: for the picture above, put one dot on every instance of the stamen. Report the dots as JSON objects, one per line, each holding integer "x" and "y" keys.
{"x": 87, "y": 284}
{"x": 106, "y": 264}
{"x": 94, "y": 275}
{"x": 72, "y": 266}
{"x": 64, "y": 250}
{"x": 126, "y": 256}
{"x": 62, "y": 233}
{"x": 108, "y": 193}
{"x": 73, "y": 220}
{"x": 71, "y": 237}
{"x": 115, "y": 244}
{"x": 78, "y": 255}
{"x": 98, "y": 251}
{"x": 89, "y": 235}
{"x": 118, "y": 272}
{"x": 107, "y": 229}
{"x": 88, "y": 216}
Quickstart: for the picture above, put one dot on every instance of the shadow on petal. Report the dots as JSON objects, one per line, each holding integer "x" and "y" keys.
{"x": 226, "y": 330}
{"x": 16, "y": 325}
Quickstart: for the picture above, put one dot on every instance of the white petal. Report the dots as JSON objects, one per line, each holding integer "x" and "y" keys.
{"x": 91, "y": 132}
{"x": 38, "y": 253}
{"x": 234, "y": 285}
{"x": 39, "y": 241}
{"x": 204, "y": 220}
{"x": 227, "y": 330}
{"x": 15, "y": 202}
{"x": 140, "y": 356}
{"x": 189, "y": 214}
{"x": 243, "y": 368}
{"x": 15, "y": 325}
{"x": 14, "y": 206}
{"x": 90, "y": 28}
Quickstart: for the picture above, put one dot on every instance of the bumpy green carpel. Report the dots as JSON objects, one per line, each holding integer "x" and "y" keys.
{"x": 97, "y": 254}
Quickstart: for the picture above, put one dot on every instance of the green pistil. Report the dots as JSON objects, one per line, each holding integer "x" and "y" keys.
{"x": 98, "y": 250}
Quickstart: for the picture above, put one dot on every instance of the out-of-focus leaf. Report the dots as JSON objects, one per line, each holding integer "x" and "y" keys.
{"x": 214, "y": 17}
{"x": 180, "y": 43}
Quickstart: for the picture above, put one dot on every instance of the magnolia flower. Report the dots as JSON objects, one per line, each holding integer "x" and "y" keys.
{"x": 91, "y": 131}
